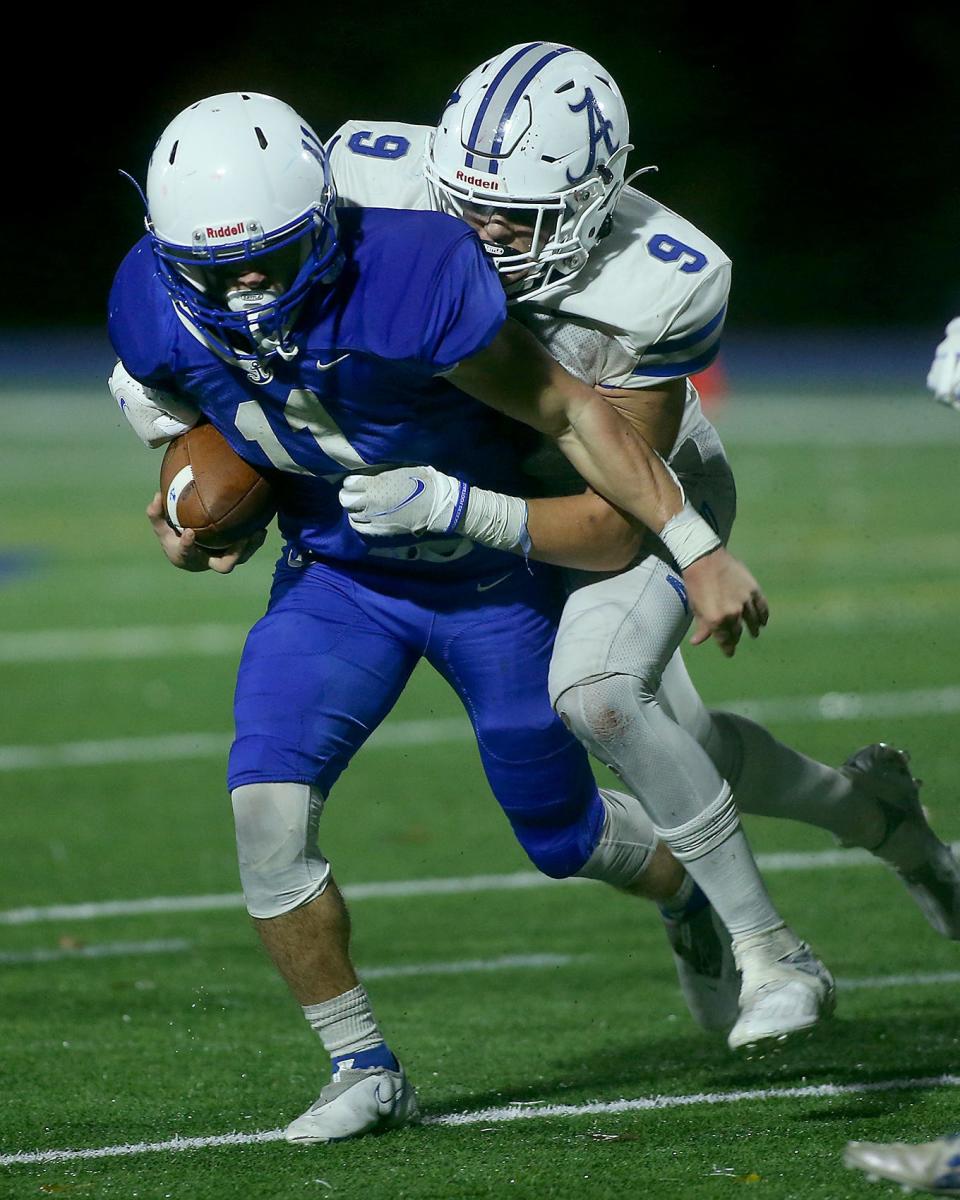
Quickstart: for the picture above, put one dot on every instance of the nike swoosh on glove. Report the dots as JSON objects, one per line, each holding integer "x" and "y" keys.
{"x": 404, "y": 500}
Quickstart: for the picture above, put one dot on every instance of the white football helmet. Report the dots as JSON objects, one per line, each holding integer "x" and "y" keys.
{"x": 232, "y": 179}
{"x": 541, "y": 129}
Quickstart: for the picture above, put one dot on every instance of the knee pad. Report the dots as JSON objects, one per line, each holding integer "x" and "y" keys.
{"x": 618, "y": 719}
{"x": 281, "y": 867}
{"x": 604, "y": 712}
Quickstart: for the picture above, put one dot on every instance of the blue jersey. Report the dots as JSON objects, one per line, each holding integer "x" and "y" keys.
{"x": 415, "y": 295}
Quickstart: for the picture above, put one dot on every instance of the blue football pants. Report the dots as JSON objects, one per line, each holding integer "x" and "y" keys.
{"x": 328, "y": 660}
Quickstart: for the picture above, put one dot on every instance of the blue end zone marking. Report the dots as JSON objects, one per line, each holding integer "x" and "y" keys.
{"x": 15, "y": 564}
{"x": 681, "y": 591}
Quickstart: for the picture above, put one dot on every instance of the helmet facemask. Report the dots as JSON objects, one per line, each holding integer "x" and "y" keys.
{"x": 565, "y": 227}
{"x": 237, "y": 322}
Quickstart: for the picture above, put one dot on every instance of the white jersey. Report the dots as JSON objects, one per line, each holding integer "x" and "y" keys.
{"x": 648, "y": 307}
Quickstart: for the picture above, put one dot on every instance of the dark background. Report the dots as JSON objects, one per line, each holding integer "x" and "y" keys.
{"x": 819, "y": 144}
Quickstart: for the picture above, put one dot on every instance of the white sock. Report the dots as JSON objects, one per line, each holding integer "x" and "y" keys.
{"x": 345, "y": 1024}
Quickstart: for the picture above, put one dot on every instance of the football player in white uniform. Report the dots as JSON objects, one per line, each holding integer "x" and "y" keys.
{"x": 530, "y": 150}
{"x": 943, "y": 378}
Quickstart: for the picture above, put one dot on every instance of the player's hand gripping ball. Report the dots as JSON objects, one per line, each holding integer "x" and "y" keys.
{"x": 207, "y": 487}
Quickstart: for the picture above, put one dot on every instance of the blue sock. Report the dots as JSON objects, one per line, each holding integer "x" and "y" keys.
{"x": 376, "y": 1056}
{"x": 689, "y": 901}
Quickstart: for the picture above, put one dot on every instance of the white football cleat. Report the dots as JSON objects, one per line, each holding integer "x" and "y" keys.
{"x": 356, "y": 1102}
{"x": 933, "y": 875}
{"x": 786, "y": 990}
{"x": 708, "y": 975}
{"x": 932, "y": 1166}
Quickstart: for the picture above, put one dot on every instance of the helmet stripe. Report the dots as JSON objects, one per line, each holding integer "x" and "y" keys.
{"x": 515, "y": 99}
{"x": 501, "y": 75}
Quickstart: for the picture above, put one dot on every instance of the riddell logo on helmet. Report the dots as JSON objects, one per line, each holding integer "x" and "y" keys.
{"x": 478, "y": 181}
{"x": 226, "y": 230}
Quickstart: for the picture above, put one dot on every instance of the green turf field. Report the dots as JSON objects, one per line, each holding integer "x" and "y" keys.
{"x": 524, "y": 1010}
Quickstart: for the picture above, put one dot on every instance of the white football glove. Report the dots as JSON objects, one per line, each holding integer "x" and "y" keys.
{"x": 944, "y": 375}
{"x": 404, "y": 500}
{"x": 156, "y": 416}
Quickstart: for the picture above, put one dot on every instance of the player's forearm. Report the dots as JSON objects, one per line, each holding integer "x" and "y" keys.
{"x": 516, "y": 375}
{"x": 616, "y": 461}
{"x": 582, "y": 532}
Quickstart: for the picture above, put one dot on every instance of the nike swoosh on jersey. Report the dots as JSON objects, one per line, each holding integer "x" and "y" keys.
{"x": 420, "y": 485}
{"x": 322, "y": 366}
{"x": 485, "y": 587}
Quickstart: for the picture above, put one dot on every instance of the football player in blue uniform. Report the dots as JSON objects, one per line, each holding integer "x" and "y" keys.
{"x": 320, "y": 343}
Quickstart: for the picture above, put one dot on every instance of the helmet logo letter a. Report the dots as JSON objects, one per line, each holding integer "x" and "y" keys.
{"x": 601, "y": 130}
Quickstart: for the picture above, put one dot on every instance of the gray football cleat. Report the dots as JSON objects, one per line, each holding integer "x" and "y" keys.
{"x": 356, "y": 1102}
{"x": 933, "y": 875}
{"x": 785, "y": 990}
{"x": 708, "y": 975}
{"x": 931, "y": 1166}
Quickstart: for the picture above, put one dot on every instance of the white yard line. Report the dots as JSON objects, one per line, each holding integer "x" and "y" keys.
{"x": 467, "y": 966}
{"x": 851, "y": 706}
{"x": 471, "y": 966}
{"x": 923, "y": 979}
{"x": 100, "y": 950}
{"x": 812, "y": 860}
{"x": 514, "y": 1112}
{"x": 173, "y": 746}
{"x": 358, "y": 891}
{"x": 831, "y": 706}
{"x": 823, "y": 1091}
{"x": 132, "y": 641}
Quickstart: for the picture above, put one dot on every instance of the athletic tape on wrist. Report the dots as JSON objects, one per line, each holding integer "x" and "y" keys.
{"x": 495, "y": 520}
{"x": 688, "y": 536}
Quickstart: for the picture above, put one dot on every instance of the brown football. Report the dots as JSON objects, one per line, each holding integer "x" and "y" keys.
{"x": 206, "y": 486}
